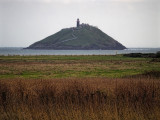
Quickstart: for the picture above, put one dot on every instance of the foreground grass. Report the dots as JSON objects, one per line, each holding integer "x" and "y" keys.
{"x": 48, "y": 67}
{"x": 80, "y": 99}
{"x": 79, "y": 88}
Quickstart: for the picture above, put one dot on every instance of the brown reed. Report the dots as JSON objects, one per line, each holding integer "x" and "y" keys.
{"x": 80, "y": 99}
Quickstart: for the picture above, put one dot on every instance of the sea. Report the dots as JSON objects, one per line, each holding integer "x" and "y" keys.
{"x": 8, "y": 51}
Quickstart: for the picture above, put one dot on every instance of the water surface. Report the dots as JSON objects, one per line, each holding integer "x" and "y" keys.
{"x": 21, "y": 51}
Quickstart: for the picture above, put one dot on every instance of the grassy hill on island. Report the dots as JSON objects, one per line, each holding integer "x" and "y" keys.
{"x": 84, "y": 37}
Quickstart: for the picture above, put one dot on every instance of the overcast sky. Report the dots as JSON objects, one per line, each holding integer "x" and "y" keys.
{"x": 134, "y": 23}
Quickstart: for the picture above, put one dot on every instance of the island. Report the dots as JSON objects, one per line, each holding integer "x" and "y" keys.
{"x": 81, "y": 37}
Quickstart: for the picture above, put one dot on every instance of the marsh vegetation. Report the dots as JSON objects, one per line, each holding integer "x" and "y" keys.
{"x": 79, "y": 88}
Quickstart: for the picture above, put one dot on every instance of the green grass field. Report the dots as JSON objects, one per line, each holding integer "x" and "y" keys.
{"x": 94, "y": 87}
{"x": 48, "y": 67}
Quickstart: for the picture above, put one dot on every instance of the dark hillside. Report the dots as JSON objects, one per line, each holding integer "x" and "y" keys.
{"x": 85, "y": 37}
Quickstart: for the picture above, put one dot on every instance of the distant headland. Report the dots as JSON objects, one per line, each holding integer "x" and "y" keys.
{"x": 81, "y": 37}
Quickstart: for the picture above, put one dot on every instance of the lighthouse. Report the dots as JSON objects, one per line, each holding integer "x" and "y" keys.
{"x": 78, "y": 22}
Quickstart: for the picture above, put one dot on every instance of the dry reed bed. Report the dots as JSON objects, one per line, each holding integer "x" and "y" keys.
{"x": 80, "y": 99}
